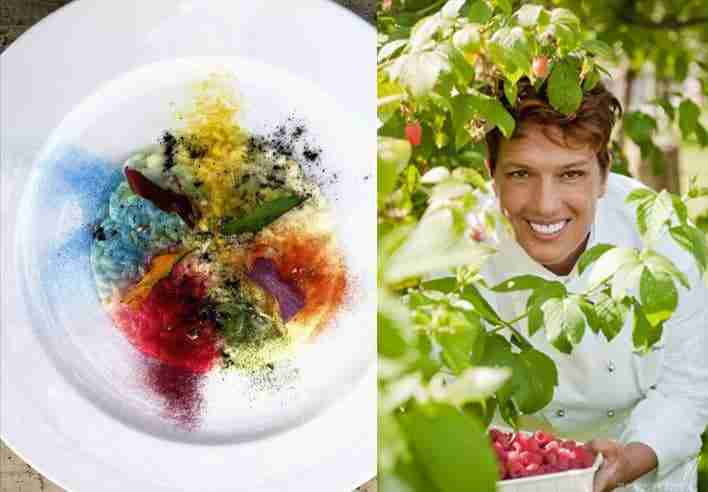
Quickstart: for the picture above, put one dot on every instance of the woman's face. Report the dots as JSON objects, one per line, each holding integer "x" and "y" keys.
{"x": 549, "y": 193}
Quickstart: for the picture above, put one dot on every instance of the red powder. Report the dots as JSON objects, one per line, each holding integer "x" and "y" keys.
{"x": 181, "y": 389}
{"x": 313, "y": 265}
{"x": 167, "y": 325}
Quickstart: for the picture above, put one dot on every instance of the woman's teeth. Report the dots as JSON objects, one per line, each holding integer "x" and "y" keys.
{"x": 548, "y": 228}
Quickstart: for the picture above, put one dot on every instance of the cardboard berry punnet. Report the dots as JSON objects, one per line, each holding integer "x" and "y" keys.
{"x": 540, "y": 462}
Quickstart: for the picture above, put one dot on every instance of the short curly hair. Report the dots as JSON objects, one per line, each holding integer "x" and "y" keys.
{"x": 591, "y": 124}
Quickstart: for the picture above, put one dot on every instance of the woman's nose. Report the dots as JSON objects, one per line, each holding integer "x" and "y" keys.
{"x": 546, "y": 199}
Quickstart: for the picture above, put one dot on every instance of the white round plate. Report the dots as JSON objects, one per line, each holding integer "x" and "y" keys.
{"x": 79, "y": 93}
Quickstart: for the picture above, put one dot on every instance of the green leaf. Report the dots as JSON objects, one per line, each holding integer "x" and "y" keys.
{"x": 644, "y": 335}
{"x": 639, "y": 126}
{"x": 480, "y": 12}
{"x": 497, "y": 353}
{"x": 389, "y": 340}
{"x": 467, "y": 106}
{"x": 564, "y": 92}
{"x": 504, "y": 5}
{"x": 692, "y": 240}
{"x": 390, "y": 48}
{"x": 531, "y": 16}
{"x": 461, "y": 67}
{"x": 639, "y": 194}
{"x": 521, "y": 282}
{"x": 610, "y": 262}
{"x": 681, "y": 63}
{"x": 481, "y": 306}
{"x": 444, "y": 284}
{"x": 419, "y": 71}
{"x": 390, "y": 91}
{"x": 435, "y": 246}
{"x": 689, "y": 113}
{"x": 509, "y": 412}
{"x": 534, "y": 378}
{"x": 680, "y": 208}
{"x": 464, "y": 344}
{"x": 509, "y": 48}
{"x": 666, "y": 106}
{"x": 659, "y": 263}
{"x": 451, "y": 9}
{"x": 701, "y": 135}
{"x": 449, "y": 444}
{"x": 263, "y": 215}
{"x": 424, "y": 30}
{"x": 606, "y": 315}
{"x": 484, "y": 411}
{"x": 535, "y": 302}
{"x": 658, "y": 296}
{"x": 591, "y": 80}
{"x": 626, "y": 278}
{"x": 591, "y": 255}
{"x": 390, "y": 239}
{"x": 510, "y": 91}
{"x": 565, "y": 17}
{"x": 564, "y": 322}
{"x": 393, "y": 156}
{"x": 599, "y": 48}
{"x": 653, "y": 214}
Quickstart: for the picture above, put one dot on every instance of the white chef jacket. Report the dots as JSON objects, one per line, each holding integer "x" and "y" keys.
{"x": 607, "y": 390}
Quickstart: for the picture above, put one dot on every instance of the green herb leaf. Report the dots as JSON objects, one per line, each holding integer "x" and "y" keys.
{"x": 263, "y": 215}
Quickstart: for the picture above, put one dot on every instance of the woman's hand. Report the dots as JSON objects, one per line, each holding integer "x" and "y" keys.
{"x": 622, "y": 464}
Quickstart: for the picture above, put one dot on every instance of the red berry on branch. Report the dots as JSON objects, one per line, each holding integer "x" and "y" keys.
{"x": 540, "y": 67}
{"x": 414, "y": 133}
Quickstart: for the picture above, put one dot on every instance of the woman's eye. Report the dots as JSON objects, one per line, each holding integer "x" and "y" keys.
{"x": 518, "y": 174}
{"x": 573, "y": 174}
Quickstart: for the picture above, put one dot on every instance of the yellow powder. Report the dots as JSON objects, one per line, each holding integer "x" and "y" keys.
{"x": 211, "y": 125}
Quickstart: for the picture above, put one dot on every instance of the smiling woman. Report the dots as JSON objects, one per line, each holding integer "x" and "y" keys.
{"x": 552, "y": 181}
{"x": 552, "y": 171}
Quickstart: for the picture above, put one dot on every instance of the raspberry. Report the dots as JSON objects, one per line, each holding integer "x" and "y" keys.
{"x": 569, "y": 444}
{"x": 542, "y": 438}
{"x": 540, "y": 66}
{"x": 552, "y": 446}
{"x": 414, "y": 133}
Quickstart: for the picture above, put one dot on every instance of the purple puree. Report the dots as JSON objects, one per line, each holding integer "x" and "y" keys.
{"x": 290, "y": 299}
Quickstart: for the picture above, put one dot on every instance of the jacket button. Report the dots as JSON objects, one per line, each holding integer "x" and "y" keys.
{"x": 560, "y": 412}
{"x": 611, "y": 366}
{"x": 652, "y": 387}
{"x": 610, "y": 413}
